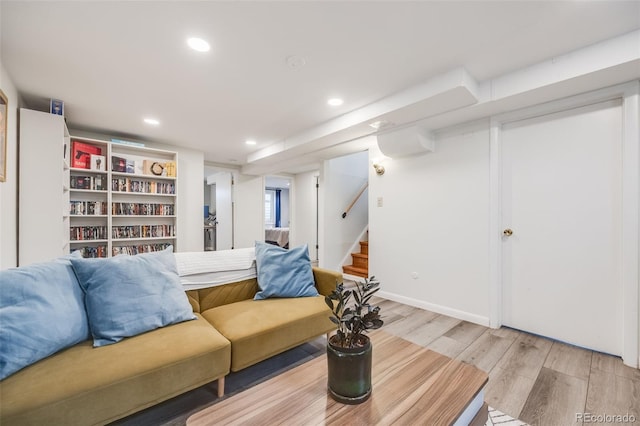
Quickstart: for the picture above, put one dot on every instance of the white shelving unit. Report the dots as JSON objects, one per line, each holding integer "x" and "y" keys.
{"x": 58, "y": 201}
{"x": 89, "y": 227}
{"x": 43, "y": 230}
{"x": 129, "y": 198}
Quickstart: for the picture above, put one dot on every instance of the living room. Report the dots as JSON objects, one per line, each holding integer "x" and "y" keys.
{"x": 471, "y": 100}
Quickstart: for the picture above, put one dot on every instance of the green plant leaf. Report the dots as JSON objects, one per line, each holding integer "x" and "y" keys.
{"x": 352, "y": 312}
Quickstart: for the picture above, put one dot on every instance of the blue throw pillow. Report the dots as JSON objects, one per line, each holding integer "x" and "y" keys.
{"x": 284, "y": 273}
{"x": 129, "y": 295}
{"x": 41, "y": 312}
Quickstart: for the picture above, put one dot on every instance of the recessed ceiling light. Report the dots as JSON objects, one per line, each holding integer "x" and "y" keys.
{"x": 198, "y": 44}
{"x": 151, "y": 121}
{"x": 335, "y": 101}
{"x": 250, "y": 142}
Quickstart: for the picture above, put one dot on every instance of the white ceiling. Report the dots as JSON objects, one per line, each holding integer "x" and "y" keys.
{"x": 114, "y": 63}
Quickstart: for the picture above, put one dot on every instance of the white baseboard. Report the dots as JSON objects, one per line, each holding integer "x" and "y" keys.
{"x": 352, "y": 278}
{"x": 439, "y": 309}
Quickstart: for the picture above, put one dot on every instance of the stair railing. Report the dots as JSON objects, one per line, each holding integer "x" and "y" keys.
{"x": 355, "y": 200}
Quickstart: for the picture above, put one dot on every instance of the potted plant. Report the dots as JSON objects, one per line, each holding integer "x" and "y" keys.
{"x": 349, "y": 350}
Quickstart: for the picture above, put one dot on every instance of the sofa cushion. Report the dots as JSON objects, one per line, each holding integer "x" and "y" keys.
{"x": 259, "y": 329}
{"x": 128, "y": 295}
{"x": 86, "y": 385}
{"x": 41, "y": 312}
{"x": 284, "y": 273}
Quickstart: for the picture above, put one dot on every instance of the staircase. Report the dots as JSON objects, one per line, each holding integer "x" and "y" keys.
{"x": 359, "y": 262}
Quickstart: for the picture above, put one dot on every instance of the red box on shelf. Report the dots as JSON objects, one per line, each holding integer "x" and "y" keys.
{"x": 81, "y": 154}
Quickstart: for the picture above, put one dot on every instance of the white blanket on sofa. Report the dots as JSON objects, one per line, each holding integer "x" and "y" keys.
{"x": 211, "y": 268}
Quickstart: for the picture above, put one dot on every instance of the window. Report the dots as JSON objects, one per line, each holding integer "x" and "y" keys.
{"x": 269, "y": 208}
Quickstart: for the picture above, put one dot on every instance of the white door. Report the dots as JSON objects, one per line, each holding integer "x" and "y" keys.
{"x": 224, "y": 212}
{"x": 561, "y": 199}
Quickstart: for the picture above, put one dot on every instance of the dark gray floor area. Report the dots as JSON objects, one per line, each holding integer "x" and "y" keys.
{"x": 177, "y": 410}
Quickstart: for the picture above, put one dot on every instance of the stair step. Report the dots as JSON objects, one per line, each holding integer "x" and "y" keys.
{"x": 360, "y": 260}
{"x": 352, "y": 270}
{"x": 364, "y": 247}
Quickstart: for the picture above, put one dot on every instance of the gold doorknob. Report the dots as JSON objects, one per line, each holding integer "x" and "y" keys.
{"x": 507, "y": 232}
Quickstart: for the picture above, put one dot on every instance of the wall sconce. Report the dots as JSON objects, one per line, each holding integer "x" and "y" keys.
{"x": 379, "y": 169}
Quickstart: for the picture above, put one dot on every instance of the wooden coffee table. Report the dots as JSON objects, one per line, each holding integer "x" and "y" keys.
{"x": 412, "y": 385}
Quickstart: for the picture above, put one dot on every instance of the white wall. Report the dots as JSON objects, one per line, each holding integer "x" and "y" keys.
{"x": 190, "y": 199}
{"x": 208, "y": 201}
{"x": 9, "y": 188}
{"x": 429, "y": 242}
{"x": 304, "y": 213}
{"x": 248, "y": 210}
{"x": 342, "y": 178}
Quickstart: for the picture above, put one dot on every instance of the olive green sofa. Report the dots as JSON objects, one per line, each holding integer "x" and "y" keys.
{"x": 83, "y": 385}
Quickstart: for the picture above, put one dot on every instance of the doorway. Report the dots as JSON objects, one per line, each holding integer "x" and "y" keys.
{"x": 277, "y": 210}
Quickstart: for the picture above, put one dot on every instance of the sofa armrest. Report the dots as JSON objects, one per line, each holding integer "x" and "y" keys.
{"x": 326, "y": 280}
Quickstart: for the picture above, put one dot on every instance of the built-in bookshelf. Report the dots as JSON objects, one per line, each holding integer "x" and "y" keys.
{"x": 123, "y": 198}
{"x": 104, "y": 199}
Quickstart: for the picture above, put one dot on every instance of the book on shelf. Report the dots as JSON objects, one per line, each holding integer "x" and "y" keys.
{"x": 95, "y": 183}
{"x": 81, "y": 154}
{"x": 125, "y": 184}
{"x": 140, "y": 248}
{"x": 87, "y": 208}
{"x": 142, "y": 209}
{"x": 92, "y": 252}
{"x": 118, "y": 164}
{"x": 142, "y": 231}
{"x": 98, "y": 163}
{"x": 170, "y": 166}
{"x": 130, "y": 166}
{"x": 159, "y": 168}
{"x": 86, "y": 233}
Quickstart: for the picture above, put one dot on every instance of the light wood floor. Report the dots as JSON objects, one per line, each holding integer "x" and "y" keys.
{"x": 534, "y": 379}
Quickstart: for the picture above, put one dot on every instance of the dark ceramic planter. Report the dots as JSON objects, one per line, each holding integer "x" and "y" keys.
{"x": 349, "y": 373}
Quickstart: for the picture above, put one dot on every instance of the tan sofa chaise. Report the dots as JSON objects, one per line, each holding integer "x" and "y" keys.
{"x": 86, "y": 385}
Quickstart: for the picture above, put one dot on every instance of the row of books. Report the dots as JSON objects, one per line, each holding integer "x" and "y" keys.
{"x": 101, "y": 250}
{"x": 143, "y": 231}
{"x": 88, "y": 182}
{"x": 81, "y": 233}
{"x": 125, "y": 184}
{"x": 142, "y": 248}
{"x": 142, "y": 209}
{"x": 87, "y": 208}
{"x": 92, "y": 252}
